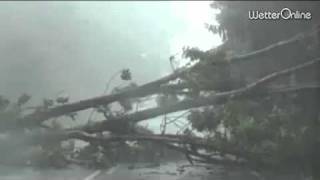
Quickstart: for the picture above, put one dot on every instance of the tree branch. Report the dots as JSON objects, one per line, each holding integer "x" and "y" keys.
{"x": 218, "y": 98}
{"x": 144, "y": 90}
{"x": 280, "y": 44}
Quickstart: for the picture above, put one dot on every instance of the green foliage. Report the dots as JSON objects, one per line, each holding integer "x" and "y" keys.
{"x": 268, "y": 130}
{"x": 48, "y": 103}
{"x": 193, "y": 53}
{"x": 217, "y": 30}
{"x": 212, "y": 70}
{"x": 23, "y": 99}
{"x": 126, "y": 75}
{"x": 277, "y": 130}
{"x": 203, "y": 119}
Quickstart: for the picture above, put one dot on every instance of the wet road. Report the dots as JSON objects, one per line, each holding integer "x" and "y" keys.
{"x": 167, "y": 171}
{"x": 14, "y": 173}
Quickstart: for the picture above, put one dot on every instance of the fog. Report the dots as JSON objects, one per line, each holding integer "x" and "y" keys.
{"x": 49, "y": 48}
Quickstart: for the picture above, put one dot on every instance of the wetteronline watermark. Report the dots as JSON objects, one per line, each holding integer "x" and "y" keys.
{"x": 284, "y": 13}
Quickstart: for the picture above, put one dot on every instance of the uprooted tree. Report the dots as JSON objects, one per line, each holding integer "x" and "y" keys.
{"x": 254, "y": 100}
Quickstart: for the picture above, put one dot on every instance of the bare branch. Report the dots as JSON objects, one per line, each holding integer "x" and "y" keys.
{"x": 280, "y": 44}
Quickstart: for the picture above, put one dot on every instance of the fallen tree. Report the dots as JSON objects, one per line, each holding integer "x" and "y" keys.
{"x": 214, "y": 99}
{"x": 154, "y": 87}
{"x": 245, "y": 138}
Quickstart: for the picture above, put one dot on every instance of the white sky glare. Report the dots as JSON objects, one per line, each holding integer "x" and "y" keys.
{"x": 194, "y": 15}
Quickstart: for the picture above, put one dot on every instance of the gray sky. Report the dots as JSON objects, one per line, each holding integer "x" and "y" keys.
{"x": 47, "y": 47}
